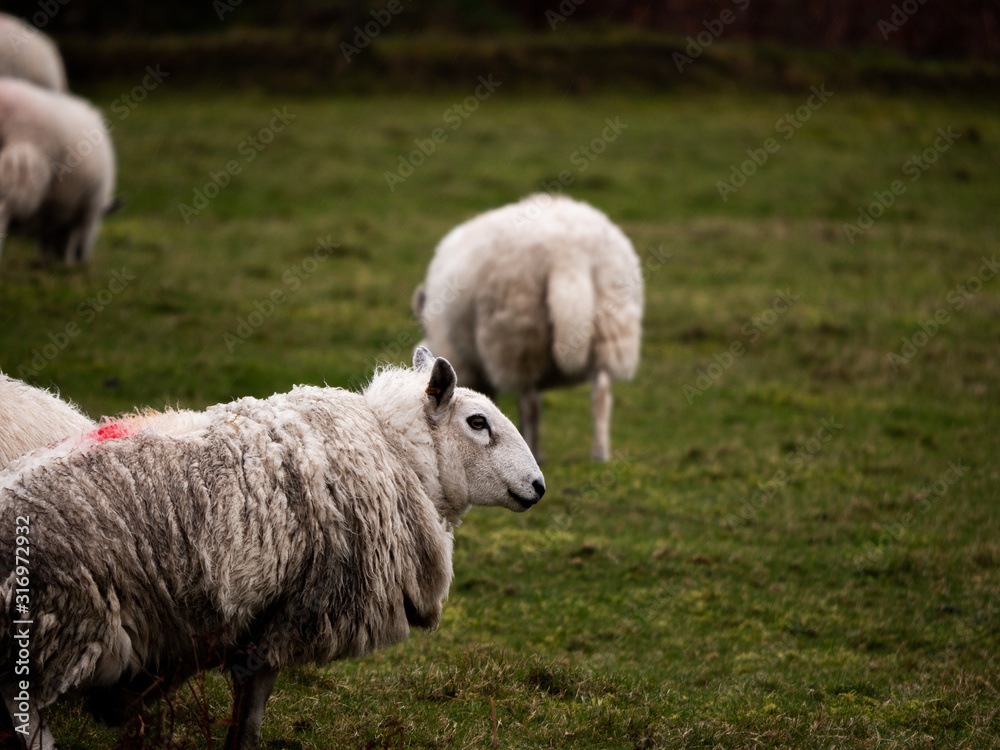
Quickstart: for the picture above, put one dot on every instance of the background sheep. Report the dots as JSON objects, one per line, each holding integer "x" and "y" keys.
{"x": 542, "y": 293}
{"x": 307, "y": 527}
{"x": 31, "y": 418}
{"x": 27, "y": 53}
{"x": 57, "y": 169}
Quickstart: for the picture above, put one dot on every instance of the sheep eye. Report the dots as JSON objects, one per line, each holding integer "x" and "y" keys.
{"x": 477, "y": 422}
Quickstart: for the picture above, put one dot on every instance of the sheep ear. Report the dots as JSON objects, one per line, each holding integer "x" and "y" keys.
{"x": 418, "y": 301}
{"x": 441, "y": 386}
{"x": 423, "y": 360}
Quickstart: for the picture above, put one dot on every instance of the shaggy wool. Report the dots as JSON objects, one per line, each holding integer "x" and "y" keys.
{"x": 290, "y": 522}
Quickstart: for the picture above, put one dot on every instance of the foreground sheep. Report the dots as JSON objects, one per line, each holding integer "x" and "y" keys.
{"x": 538, "y": 294}
{"x": 307, "y": 527}
{"x": 27, "y": 53}
{"x": 31, "y": 418}
{"x": 57, "y": 169}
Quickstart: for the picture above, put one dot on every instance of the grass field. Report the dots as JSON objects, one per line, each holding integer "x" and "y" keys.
{"x": 798, "y": 541}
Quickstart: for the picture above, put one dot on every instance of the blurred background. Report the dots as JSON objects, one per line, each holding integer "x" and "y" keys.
{"x": 295, "y": 43}
{"x": 287, "y": 170}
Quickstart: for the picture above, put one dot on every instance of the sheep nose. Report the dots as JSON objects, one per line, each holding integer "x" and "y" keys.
{"x": 539, "y": 485}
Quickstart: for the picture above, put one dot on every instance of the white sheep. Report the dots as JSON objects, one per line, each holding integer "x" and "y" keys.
{"x": 542, "y": 293}
{"x": 31, "y": 418}
{"x": 306, "y": 527}
{"x": 27, "y": 53}
{"x": 57, "y": 169}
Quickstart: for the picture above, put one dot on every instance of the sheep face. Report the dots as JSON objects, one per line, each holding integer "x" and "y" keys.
{"x": 483, "y": 458}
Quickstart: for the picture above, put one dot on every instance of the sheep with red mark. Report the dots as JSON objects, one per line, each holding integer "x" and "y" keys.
{"x": 257, "y": 535}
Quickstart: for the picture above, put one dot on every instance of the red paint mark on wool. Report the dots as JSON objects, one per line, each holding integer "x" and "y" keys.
{"x": 111, "y": 431}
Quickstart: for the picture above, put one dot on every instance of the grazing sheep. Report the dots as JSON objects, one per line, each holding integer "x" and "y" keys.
{"x": 57, "y": 169}
{"x": 27, "y": 53}
{"x": 542, "y": 293}
{"x": 31, "y": 418}
{"x": 310, "y": 526}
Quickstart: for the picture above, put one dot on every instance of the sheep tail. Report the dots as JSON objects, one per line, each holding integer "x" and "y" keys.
{"x": 24, "y": 178}
{"x": 571, "y": 311}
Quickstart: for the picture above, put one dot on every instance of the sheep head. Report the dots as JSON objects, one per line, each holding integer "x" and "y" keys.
{"x": 482, "y": 458}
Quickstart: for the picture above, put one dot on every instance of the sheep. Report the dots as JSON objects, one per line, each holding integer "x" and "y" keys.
{"x": 31, "y": 418}
{"x": 27, "y": 53}
{"x": 542, "y": 293}
{"x": 307, "y": 527}
{"x": 57, "y": 169}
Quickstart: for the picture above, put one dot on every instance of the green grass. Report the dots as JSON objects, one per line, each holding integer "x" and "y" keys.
{"x": 664, "y": 600}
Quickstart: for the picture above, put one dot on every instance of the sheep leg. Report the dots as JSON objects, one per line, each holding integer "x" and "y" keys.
{"x": 35, "y": 734}
{"x": 82, "y": 239}
{"x": 7, "y": 736}
{"x": 249, "y": 698}
{"x": 54, "y": 245}
{"x": 529, "y": 409}
{"x": 600, "y": 402}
